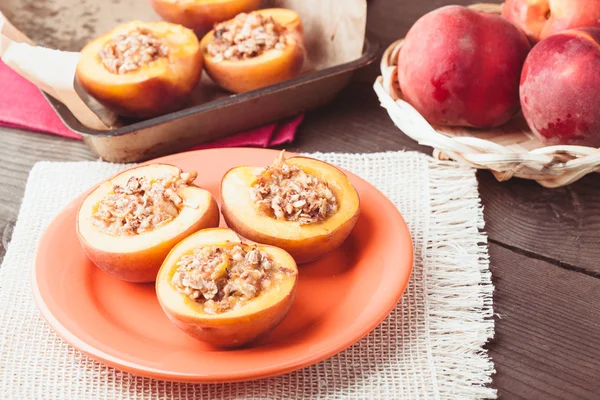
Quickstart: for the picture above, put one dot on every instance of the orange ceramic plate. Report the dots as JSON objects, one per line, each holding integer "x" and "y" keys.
{"x": 340, "y": 298}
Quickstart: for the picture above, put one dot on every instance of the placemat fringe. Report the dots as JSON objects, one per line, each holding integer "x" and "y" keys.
{"x": 455, "y": 259}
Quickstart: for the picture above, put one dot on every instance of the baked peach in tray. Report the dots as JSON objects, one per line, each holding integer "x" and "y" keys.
{"x": 254, "y": 49}
{"x": 305, "y": 206}
{"x": 141, "y": 69}
{"x": 201, "y": 15}
{"x": 225, "y": 292}
{"x": 128, "y": 224}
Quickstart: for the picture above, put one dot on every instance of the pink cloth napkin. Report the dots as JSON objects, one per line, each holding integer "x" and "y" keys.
{"x": 23, "y": 106}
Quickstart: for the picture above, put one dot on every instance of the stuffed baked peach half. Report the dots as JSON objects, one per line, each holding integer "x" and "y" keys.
{"x": 201, "y": 15}
{"x": 225, "y": 292}
{"x": 141, "y": 69}
{"x": 305, "y": 206}
{"x": 254, "y": 49}
{"x": 128, "y": 224}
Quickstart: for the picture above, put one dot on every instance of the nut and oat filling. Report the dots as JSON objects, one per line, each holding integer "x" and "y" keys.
{"x": 286, "y": 192}
{"x": 223, "y": 278}
{"x": 129, "y": 52}
{"x": 141, "y": 205}
{"x": 245, "y": 36}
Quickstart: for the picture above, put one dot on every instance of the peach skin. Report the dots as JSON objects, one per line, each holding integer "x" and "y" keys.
{"x": 461, "y": 67}
{"x": 542, "y": 18}
{"x": 560, "y": 88}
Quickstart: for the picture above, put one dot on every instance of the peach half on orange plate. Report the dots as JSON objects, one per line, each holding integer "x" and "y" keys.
{"x": 223, "y": 291}
{"x": 141, "y": 69}
{"x": 303, "y": 205}
{"x": 272, "y": 49}
{"x": 128, "y": 224}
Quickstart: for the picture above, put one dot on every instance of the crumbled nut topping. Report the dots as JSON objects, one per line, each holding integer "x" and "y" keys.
{"x": 225, "y": 278}
{"x": 286, "y": 192}
{"x": 141, "y": 205}
{"x": 246, "y": 36}
{"x": 126, "y": 53}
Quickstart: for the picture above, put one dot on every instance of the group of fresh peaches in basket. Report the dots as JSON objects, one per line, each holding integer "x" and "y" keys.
{"x": 463, "y": 67}
{"x": 142, "y": 69}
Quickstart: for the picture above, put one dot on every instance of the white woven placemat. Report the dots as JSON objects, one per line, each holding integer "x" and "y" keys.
{"x": 430, "y": 347}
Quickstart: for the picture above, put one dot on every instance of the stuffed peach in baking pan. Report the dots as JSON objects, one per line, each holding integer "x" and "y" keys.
{"x": 141, "y": 69}
{"x": 201, "y": 15}
{"x": 255, "y": 49}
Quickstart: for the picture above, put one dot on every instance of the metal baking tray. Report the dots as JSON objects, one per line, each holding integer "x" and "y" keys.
{"x": 183, "y": 129}
{"x": 68, "y": 25}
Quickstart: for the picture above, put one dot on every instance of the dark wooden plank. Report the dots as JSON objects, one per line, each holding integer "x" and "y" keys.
{"x": 559, "y": 225}
{"x": 19, "y": 150}
{"x": 354, "y": 122}
{"x": 547, "y": 343}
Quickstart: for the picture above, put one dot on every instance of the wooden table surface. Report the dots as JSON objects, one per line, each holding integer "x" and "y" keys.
{"x": 544, "y": 244}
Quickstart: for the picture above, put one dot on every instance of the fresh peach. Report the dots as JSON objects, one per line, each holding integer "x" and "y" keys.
{"x": 542, "y": 18}
{"x": 138, "y": 257}
{"x": 304, "y": 242}
{"x": 560, "y": 88}
{"x": 461, "y": 67}
{"x": 201, "y": 15}
{"x": 271, "y": 67}
{"x": 232, "y": 328}
{"x": 158, "y": 86}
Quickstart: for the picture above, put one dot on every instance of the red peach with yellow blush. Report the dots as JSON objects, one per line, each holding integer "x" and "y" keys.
{"x": 560, "y": 88}
{"x": 461, "y": 67}
{"x": 542, "y": 18}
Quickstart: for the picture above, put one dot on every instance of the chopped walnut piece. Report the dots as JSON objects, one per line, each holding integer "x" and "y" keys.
{"x": 286, "y": 192}
{"x": 129, "y": 52}
{"x": 225, "y": 278}
{"x": 141, "y": 205}
{"x": 245, "y": 36}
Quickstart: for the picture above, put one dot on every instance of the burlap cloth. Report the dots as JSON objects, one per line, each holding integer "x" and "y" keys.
{"x": 430, "y": 346}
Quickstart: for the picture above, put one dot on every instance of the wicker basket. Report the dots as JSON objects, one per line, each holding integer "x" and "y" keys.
{"x": 508, "y": 151}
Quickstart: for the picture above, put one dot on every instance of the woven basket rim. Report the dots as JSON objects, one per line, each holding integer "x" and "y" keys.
{"x": 551, "y": 165}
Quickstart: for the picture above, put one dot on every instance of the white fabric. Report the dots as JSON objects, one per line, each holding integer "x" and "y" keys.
{"x": 430, "y": 346}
